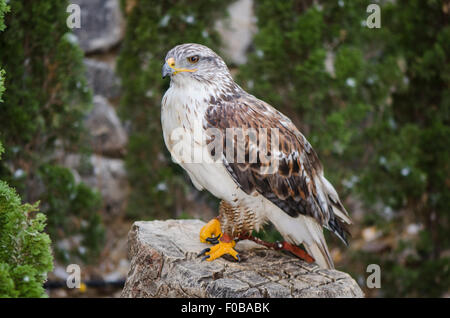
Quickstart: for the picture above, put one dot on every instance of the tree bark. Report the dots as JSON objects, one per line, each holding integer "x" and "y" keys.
{"x": 164, "y": 263}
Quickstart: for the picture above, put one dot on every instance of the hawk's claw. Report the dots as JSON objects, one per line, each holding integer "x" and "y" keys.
{"x": 220, "y": 249}
{"x": 212, "y": 233}
{"x": 203, "y": 252}
{"x": 213, "y": 240}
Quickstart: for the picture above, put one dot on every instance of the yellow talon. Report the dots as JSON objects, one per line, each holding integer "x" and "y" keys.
{"x": 212, "y": 233}
{"x": 221, "y": 249}
{"x": 210, "y": 230}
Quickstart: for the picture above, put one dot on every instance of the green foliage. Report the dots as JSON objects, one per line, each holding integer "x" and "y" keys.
{"x": 292, "y": 47}
{"x": 2, "y": 84}
{"x": 45, "y": 78}
{"x": 411, "y": 165}
{"x": 3, "y": 10}
{"x": 378, "y": 118}
{"x": 43, "y": 106}
{"x": 71, "y": 206}
{"x": 25, "y": 256}
{"x": 152, "y": 30}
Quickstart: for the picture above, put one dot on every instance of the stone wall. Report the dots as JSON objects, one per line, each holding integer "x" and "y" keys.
{"x": 102, "y": 30}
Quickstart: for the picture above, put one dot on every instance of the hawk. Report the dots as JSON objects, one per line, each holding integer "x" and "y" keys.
{"x": 200, "y": 107}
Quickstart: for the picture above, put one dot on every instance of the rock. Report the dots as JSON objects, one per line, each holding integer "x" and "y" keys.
{"x": 106, "y": 175}
{"x": 102, "y": 24}
{"x": 164, "y": 264}
{"x": 107, "y": 135}
{"x": 237, "y": 30}
{"x": 102, "y": 79}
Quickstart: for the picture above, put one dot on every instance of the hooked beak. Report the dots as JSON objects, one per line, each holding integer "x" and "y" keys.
{"x": 170, "y": 69}
{"x": 166, "y": 70}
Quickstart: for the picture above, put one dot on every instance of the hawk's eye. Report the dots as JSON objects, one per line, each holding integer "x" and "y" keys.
{"x": 193, "y": 59}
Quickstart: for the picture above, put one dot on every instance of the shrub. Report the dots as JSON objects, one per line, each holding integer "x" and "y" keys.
{"x": 25, "y": 254}
{"x": 43, "y": 106}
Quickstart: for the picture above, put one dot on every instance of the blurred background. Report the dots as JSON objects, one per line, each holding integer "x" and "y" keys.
{"x": 82, "y": 154}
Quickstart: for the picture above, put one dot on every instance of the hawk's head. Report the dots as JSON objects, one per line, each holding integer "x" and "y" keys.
{"x": 194, "y": 61}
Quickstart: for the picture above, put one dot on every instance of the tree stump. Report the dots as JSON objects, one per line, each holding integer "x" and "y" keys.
{"x": 164, "y": 263}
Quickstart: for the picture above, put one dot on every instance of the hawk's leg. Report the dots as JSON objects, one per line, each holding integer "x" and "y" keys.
{"x": 297, "y": 251}
{"x": 225, "y": 246}
{"x": 211, "y": 232}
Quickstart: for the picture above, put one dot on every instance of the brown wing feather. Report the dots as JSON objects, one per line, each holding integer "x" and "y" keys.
{"x": 293, "y": 187}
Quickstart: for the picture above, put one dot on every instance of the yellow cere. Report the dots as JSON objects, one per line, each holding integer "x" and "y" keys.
{"x": 171, "y": 62}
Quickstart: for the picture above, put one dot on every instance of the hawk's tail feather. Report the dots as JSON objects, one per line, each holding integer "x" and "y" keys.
{"x": 316, "y": 246}
{"x": 338, "y": 216}
{"x": 304, "y": 230}
{"x": 339, "y": 228}
{"x": 320, "y": 254}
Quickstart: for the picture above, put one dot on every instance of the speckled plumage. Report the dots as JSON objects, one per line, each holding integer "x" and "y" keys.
{"x": 296, "y": 198}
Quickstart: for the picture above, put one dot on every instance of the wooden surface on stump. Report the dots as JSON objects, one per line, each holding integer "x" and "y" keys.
{"x": 164, "y": 263}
